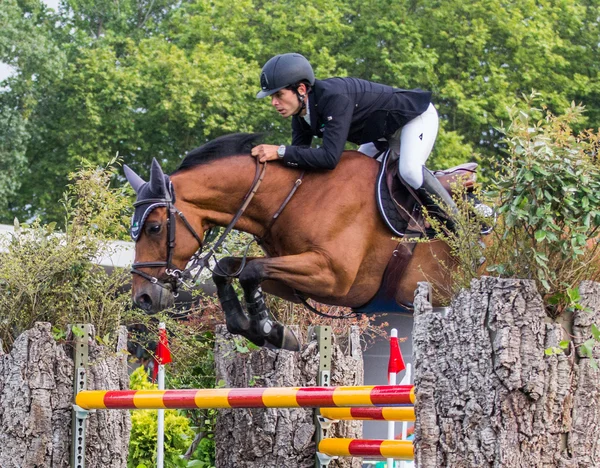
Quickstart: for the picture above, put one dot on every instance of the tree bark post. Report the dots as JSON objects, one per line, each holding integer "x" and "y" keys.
{"x": 487, "y": 394}
{"x": 36, "y": 404}
{"x": 276, "y": 438}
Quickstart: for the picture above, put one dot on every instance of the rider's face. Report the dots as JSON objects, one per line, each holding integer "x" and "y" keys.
{"x": 286, "y": 102}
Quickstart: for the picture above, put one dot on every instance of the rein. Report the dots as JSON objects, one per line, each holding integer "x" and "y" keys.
{"x": 179, "y": 276}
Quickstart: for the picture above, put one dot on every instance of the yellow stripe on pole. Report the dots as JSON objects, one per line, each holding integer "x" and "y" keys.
{"x": 280, "y": 397}
{"x": 212, "y": 398}
{"x": 91, "y": 399}
{"x": 337, "y": 413}
{"x": 398, "y": 413}
{"x": 400, "y": 449}
{"x": 412, "y": 395}
{"x": 352, "y": 396}
{"x": 335, "y": 447}
{"x": 149, "y": 399}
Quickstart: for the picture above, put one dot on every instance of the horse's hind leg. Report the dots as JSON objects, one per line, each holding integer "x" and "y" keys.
{"x": 261, "y": 322}
{"x": 235, "y": 318}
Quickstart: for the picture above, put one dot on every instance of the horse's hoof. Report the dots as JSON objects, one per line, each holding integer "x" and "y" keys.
{"x": 290, "y": 341}
{"x": 257, "y": 340}
{"x": 283, "y": 338}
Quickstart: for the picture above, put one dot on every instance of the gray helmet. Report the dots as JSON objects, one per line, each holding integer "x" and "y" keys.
{"x": 284, "y": 70}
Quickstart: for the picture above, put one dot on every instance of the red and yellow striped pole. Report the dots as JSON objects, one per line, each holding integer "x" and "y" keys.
{"x": 388, "y": 413}
{"x": 398, "y": 449}
{"x": 282, "y": 397}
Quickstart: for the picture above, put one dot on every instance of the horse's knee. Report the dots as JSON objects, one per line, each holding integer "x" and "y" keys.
{"x": 251, "y": 276}
{"x": 226, "y": 266}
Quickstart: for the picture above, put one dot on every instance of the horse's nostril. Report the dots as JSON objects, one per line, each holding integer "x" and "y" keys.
{"x": 144, "y": 301}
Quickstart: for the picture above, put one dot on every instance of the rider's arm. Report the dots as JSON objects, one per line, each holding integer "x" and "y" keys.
{"x": 336, "y": 113}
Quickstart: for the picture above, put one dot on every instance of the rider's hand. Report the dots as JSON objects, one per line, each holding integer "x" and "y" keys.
{"x": 265, "y": 153}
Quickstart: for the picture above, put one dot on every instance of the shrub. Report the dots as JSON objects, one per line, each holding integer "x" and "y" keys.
{"x": 144, "y": 430}
{"x": 48, "y": 275}
{"x": 547, "y": 196}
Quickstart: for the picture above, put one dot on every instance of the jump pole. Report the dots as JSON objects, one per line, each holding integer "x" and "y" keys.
{"x": 373, "y": 413}
{"x": 398, "y": 449}
{"x": 273, "y": 397}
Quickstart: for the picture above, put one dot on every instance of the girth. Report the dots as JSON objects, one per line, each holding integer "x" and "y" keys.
{"x": 385, "y": 298}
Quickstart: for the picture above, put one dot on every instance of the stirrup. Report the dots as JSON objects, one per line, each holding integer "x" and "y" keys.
{"x": 437, "y": 200}
{"x": 486, "y": 214}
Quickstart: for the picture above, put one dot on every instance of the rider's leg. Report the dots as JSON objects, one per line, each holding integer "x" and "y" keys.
{"x": 415, "y": 144}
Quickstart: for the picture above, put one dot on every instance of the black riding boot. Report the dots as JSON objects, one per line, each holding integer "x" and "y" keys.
{"x": 437, "y": 200}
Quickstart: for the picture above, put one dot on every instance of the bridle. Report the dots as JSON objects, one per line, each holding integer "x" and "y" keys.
{"x": 198, "y": 261}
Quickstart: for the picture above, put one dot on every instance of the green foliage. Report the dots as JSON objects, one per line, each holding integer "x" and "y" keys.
{"x": 48, "y": 275}
{"x": 142, "y": 443}
{"x": 179, "y": 435}
{"x": 139, "y": 380}
{"x": 12, "y": 153}
{"x": 547, "y": 196}
{"x": 148, "y": 79}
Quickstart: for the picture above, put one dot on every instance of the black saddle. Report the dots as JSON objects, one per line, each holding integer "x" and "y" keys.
{"x": 399, "y": 204}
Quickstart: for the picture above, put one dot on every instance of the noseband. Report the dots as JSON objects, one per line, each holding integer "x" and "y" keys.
{"x": 178, "y": 277}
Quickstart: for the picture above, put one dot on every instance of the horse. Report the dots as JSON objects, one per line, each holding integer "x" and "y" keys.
{"x": 321, "y": 233}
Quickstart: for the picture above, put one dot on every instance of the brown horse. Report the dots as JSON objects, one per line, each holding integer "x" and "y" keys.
{"x": 329, "y": 242}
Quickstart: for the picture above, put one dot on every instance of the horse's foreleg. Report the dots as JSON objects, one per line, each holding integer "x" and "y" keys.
{"x": 261, "y": 322}
{"x": 235, "y": 318}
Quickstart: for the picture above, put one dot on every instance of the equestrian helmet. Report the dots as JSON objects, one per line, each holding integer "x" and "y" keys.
{"x": 282, "y": 71}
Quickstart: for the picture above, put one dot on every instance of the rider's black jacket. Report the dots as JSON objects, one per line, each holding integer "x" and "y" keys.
{"x": 349, "y": 109}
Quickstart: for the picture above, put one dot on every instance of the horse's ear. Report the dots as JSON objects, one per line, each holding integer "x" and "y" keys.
{"x": 157, "y": 179}
{"x": 134, "y": 180}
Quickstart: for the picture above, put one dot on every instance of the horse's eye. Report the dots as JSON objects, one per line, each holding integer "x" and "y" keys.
{"x": 153, "y": 228}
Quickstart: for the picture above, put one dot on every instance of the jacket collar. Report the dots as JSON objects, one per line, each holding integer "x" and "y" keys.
{"x": 312, "y": 106}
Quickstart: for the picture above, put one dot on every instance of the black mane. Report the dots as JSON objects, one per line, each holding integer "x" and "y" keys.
{"x": 222, "y": 147}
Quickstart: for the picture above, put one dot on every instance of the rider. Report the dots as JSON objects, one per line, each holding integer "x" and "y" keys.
{"x": 372, "y": 115}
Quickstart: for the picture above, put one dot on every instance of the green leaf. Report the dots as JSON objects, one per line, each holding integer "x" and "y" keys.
{"x": 77, "y": 331}
{"x": 564, "y": 344}
{"x": 595, "y": 332}
{"x": 573, "y": 294}
{"x": 587, "y": 347}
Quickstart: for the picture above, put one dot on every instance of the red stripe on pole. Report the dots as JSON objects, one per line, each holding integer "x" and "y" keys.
{"x": 368, "y": 413}
{"x": 246, "y": 398}
{"x": 119, "y": 399}
{"x": 390, "y": 395}
{"x": 316, "y": 396}
{"x": 360, "y": 448}
{"x": 182, "y": 399}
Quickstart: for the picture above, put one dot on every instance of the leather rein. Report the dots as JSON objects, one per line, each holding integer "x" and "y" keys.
{"x": 198, "y": 261}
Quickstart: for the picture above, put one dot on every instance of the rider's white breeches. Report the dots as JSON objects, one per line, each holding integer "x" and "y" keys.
{"x": 413, "y": 142}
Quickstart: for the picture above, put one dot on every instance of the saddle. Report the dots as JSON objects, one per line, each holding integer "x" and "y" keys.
{"x": 400, "y": 206}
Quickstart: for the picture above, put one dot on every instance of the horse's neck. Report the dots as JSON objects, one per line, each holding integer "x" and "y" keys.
{"x": 218, "y": 189}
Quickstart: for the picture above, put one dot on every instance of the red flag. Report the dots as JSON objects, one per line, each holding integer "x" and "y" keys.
{"x": 163, "y": 352}
{"x": 396, "y": 363}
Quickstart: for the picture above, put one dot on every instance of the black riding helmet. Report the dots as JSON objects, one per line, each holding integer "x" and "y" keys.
{"x": 282, "y": 71}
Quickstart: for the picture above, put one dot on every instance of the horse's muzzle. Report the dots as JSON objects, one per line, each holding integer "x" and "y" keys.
{"x": 153, "y": 298}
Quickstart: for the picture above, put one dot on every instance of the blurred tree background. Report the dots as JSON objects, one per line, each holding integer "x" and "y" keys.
{"x": 156, "y": 78}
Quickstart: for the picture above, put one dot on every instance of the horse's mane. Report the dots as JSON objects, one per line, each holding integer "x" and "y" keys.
{"x": 222, "y": 147}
